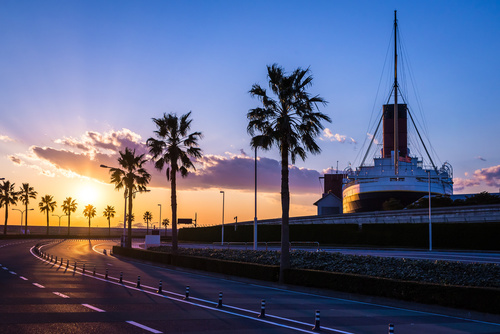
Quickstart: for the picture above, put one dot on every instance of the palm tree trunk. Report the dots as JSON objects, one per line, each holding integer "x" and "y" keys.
{"x": 129, "y": 231}
{"x": 69, "y": 219}
{"x": 285, "y": 214}
{"x": 26, "y": 216}
{"x": 6, "y": 218}
{"x": 109, "y": 227}
{"x": 89, "y": 225}
{"x": 47, "y": 221}
{"x": 174, "y": 207}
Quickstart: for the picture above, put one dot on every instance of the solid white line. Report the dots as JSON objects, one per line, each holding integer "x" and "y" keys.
{"x": 143, "y": 327}
{"x": 93, "y": 308}
{"x": 23, "y": 278}
{"x": 60, "y": 294}
{"x": 39, "y": 285}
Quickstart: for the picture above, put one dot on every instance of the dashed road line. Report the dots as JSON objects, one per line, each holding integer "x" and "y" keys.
{"x": 149, "y": 329}
{"x": 12, "y": 272}
{"x": 93, "y": 308}
{"x": 60, "y": 294}
{"x": 23, "y": 278}
{"x": 39, "y": 285}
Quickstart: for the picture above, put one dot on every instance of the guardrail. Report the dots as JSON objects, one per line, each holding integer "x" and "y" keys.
{"x": 269, "y": 245}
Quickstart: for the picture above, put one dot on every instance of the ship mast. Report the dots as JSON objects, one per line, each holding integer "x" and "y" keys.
{"x": 396, "y": 113}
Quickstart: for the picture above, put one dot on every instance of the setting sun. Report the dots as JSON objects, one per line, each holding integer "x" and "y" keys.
{"x": 88, "y": 194}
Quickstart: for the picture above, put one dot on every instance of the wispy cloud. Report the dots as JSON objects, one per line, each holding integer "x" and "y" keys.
{"x": 6, "y": 139}
{"x": 328, "y": 135}
{"x": 489, "y": 176}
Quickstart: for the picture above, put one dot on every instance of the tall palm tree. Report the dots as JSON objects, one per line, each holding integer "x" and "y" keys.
{"x": 174, "y": 148}
{"x": 291, "y": 120}
{"x": 69, "y": 205}
{"x": 89, "y": 212}
{"x": 148, "y": 216}
{"x": 47, "y": 204}
{"x": 7, "y": 196}
{"x": 132, "y": 177}
{"x": 109, "y": 212}
{"x": 25, "y": 193}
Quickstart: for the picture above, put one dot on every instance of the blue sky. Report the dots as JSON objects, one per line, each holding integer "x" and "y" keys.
{"x": 83, "y": 72}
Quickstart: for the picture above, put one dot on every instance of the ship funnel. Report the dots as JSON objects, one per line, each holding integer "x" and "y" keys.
{"x": 388, "y": 136}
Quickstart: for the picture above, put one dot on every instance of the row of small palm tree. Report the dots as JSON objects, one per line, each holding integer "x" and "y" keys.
{"x": 8, "y": 196}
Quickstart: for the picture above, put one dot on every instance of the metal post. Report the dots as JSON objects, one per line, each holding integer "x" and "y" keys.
{"x": 159, "y": 225}
{"x": 316, "y": 322}
{"x": 83, "y": 270}
{"x": 106, "y": 277}
{"x": 262, "y": 309}
{"x": 160, "y": 289}
{"x": 222, "y": 238}
{"x": 121, "y": 276}
{"x": 219, "y": 305}
{"x": 430, "y": 222}
{"x": 255, "y": 215}
{"x": 391, "y": 328}
{"x": 138, "y": 282}
{"x": 187, "y": 292}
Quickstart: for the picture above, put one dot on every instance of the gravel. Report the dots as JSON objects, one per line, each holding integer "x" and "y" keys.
{"x": 440, "y": 272}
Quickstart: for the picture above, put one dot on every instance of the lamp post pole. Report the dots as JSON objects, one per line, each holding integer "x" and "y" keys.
{"x": 60, "y": 216}
{"x": 159, "y": 224}
{"x": 222, "y": 238}
{"x": 255, "y": 216}
{"x": 22, "y": 214}
{"x": 430, "y": 222}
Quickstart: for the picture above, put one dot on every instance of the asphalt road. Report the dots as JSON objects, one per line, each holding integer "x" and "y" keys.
{"x": 40, "y": 296}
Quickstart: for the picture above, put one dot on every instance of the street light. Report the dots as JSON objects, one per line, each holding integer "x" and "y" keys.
{"x": 60, "y": 216}
{"x": 430, "y": 222}
{"x": 222, "y": 238}
{"x": 22, "y": 213}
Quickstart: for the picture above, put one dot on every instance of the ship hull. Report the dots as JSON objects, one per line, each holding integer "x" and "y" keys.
{"x": 374, "y": 201}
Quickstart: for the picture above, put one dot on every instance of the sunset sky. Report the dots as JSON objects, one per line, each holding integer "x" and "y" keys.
{"x": 81, "y": 80}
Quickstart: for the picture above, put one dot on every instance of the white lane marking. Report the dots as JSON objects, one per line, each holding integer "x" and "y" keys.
{"x": 23, "y": 278}
{"x": 5, "y": 268}
{"x": 93, "y": 308}
{"x": 60, "y": 294}
{"x": 143, "y": 327}
{"x": 39, "y": 285}
{"x": 13, "y": 273}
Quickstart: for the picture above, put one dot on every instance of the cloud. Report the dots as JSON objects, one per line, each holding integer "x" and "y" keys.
{"x": 328, "y": 135}
{"x": 375, "y": 141}
{"x": 83, "y": 157}
{"x": 489, "y": 176}
{"x": 6, "y": 138}
{"x": 15, "y": 160}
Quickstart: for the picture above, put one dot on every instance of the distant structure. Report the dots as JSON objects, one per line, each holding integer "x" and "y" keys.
{"x": 331, "y": 201}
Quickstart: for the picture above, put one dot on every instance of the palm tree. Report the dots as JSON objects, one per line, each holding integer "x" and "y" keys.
{"x": 148, "y": 216}
{"x": 89, "y": 212}
{"x": 109, "y": 212}
{"x": 165, "y": 223}
{"x": 291, "y": 121}
{"x": 47, "y": 204}
{"x": 25, "y": 193}
{"x": 174, "y": 148}
{"x": 134, "y": 177}
{"x": 7, "y": 196}
{"x": 69, "y": 205}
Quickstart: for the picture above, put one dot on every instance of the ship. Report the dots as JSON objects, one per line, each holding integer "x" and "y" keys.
{"x": 396, "y": 178}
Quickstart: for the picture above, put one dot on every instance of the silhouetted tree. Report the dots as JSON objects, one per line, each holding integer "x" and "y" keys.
{"x": 290, "y": 121}
{"x": 109, "y": 212}
{"x": 47, "y": 204}
{"x": 147, "y": 218}
{"x": 25, "y": 193}
{"x": 174, "y": 148}
{"x": 133, "y": 177}
{"x": 69, "y": 205}
{"x": 7, "y": 197}
{"x": 89, "y": 212}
